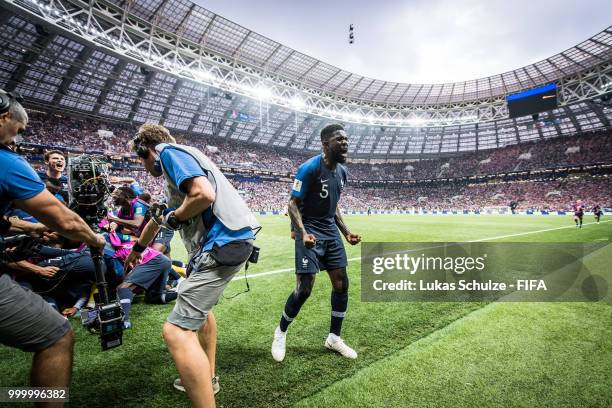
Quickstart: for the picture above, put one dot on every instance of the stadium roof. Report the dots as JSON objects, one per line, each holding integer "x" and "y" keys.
{"x": 227, "y": 38}
{"x": 73, "y": 62}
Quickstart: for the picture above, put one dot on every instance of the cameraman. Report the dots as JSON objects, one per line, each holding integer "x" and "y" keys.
{"x": 28, "y": 322}
{"x": 217, "y": 229}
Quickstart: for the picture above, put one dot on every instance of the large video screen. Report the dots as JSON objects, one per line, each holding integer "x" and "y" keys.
{"x": 535, "y": 100}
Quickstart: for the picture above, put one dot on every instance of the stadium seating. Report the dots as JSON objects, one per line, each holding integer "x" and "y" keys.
{"x": 51, "y": 130}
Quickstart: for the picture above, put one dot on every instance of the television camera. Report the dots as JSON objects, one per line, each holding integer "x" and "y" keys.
{"x": 89, "y": 188}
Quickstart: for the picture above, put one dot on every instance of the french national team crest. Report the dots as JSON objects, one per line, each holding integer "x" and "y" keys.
{"x": 297, "y": 185}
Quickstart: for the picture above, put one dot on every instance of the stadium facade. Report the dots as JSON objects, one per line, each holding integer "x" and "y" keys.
{"x": 180, "y": 65}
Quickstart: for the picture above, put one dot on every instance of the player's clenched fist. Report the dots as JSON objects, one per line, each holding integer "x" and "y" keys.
{"x": 353, "y": 239}
{"x": 309, "y": 240}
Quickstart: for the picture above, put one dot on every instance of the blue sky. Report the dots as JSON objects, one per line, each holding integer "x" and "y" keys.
{"x": 423, "y": 41}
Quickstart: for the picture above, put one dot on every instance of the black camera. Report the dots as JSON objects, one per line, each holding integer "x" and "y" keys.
{"x": 106, "y": 321}
{"x": 89, "y": 188}
{"x": 16, "y": 248}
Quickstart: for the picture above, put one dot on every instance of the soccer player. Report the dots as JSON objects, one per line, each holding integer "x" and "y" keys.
{"x": 150, "y": 275}
{"x": 55, "y": 187}
{"x": 578, "y": 213}
{"x": 55, "y": 161}
{"x": 316, "y": 219}
{"x": 132, "y": 210}
{"x": 597, "y": 213}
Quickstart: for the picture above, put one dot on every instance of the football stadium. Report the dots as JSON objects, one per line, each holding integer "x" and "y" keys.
{"x": 173, "y": 182}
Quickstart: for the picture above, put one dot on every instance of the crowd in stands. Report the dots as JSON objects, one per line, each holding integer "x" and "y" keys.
{"x": 570, "y": 151}
{"x": 84, "y": 135}
{"x": 264, "y": 196}
{"x": 530, "y": 195}
{"x": 80, "y": 134}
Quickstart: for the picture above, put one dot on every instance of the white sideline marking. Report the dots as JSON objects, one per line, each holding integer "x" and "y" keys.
{"x": 535, "y": 232}
{"x": 476, "y": 240}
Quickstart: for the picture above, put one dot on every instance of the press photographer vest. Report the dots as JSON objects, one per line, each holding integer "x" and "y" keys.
{"x": 228, "y": 207}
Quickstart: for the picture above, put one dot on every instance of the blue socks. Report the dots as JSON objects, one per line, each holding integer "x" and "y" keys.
{"x": 125, "y": 298}
{"x": 339, "y": 304}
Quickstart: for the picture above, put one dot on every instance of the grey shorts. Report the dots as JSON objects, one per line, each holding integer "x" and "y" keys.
{"x": 201, "y": 291}
{"x": 27, "y": 321}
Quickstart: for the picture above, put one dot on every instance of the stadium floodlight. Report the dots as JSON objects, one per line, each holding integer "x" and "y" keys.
{"x": 469, "y": 118}
{"x": 416, "y": 121}
{"x": 297, "y": 103}
{"x": 263, "y": 92}
{"x": 329, "y": 112}
{"x": 204, "y": 75}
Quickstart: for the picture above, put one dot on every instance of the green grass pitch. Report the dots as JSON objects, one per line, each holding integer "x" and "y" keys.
{"x": 410, "y": 354}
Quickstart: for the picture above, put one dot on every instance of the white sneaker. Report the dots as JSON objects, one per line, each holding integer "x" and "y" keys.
{"x": 216, "y": 386}
{"x": 279, "y": 344}
{"x": 336, "y": 344}
{"x": 178, "y": 384}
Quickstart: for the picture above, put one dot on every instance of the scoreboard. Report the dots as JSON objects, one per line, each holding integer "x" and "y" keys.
{"x": 532, "y": 101}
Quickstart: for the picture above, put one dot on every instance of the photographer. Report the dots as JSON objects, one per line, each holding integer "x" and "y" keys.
{"x": 217, "y": 229}
{"x": 28, "y": 322}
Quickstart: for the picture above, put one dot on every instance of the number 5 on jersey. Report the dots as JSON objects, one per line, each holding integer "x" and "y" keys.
{"x": 324, "y": 192}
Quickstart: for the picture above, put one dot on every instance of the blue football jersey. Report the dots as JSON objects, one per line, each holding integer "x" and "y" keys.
{"x": 64, "y": 190}
{"x": 320, "y": 189}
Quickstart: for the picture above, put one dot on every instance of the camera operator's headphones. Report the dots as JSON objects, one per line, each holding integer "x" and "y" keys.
{"x": 7, "y": 98}
{"x": 143, "y": 152}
